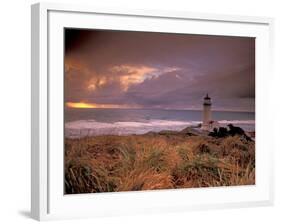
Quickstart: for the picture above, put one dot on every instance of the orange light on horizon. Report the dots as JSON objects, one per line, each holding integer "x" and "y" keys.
{"x": 95, "y": 105}
{"x": 81, "y": 105}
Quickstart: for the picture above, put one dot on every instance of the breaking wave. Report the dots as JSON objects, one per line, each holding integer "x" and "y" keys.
{"x": 83, "y": 128}
{"x": 237, "y": 122}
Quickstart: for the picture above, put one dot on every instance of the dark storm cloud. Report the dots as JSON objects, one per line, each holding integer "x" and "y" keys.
{"x": 159, "y": 70}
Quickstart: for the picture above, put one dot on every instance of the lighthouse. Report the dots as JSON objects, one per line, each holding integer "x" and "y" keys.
{"x": 207, "y": 116}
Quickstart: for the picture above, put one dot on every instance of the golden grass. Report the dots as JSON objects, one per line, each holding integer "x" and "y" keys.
{"x": 148, "y": 162}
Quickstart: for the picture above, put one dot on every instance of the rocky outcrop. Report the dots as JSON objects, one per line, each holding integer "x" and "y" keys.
{"x": 231, "y": 130}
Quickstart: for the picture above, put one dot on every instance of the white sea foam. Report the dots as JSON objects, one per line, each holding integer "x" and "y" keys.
{"x": 82, "y": 128}
{"x": 93, "y": 128}
{"x": 237, "y": 122}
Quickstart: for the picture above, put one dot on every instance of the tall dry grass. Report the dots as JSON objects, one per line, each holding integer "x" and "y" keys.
{"x": 148, "y": 162}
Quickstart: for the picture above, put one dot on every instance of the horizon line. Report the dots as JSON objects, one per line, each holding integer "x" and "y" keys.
{"x": 151, "y": 108}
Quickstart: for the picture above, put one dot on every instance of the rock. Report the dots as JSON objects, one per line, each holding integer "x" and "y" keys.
{"x": 231, "y": 131}
{"x": 220, "y": 133}
{"x": 190, "y": 132}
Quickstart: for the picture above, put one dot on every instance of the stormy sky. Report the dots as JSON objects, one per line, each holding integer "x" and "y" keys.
{"x": 120, "y": 69}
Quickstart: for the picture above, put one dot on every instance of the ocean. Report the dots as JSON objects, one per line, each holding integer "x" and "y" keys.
{"x": 93, "y": 122}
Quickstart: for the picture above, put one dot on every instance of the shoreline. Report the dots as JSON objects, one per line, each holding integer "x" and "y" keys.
{"x": 87, "y": 128}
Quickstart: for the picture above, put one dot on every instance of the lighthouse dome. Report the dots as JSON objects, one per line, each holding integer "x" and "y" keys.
{"x": 207, "y": 97}
{"x": 207, "y": 100}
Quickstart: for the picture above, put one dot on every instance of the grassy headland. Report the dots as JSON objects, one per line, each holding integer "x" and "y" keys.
{"x": 164, "y": 160}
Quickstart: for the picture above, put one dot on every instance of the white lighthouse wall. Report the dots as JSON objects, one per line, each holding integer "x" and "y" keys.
{"x": 206, "y": 117}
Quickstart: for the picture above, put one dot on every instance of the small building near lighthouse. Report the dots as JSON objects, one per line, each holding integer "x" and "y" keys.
{"x": 208, "y": 124}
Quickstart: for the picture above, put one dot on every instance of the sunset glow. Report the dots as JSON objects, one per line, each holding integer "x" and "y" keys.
{"x": 95, "y": 83}
{"x": 133, "y": 75}
{"x": 94, "y": 105}
{"x": 80, "y": 105}
{"x": 120, "y": 69}
{"x": 130, "y": 75}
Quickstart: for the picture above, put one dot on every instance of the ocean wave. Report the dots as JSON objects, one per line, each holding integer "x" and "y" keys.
{"x": 81, "y": 128}
{"x": 95, "y": 124}
{"x": 94, "y": 128}
{"x": 237, "y": 122}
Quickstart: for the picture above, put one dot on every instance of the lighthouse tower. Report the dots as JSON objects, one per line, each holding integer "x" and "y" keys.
{"x": 207, "y": 113}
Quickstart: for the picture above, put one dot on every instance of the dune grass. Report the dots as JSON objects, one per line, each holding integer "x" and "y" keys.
{"x": 148, "y": 162}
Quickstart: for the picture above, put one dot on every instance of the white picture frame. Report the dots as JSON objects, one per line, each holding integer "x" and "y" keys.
{"x": 48, "y": 201}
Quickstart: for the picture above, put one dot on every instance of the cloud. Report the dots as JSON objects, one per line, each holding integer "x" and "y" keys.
{"x": 159, "y": 70}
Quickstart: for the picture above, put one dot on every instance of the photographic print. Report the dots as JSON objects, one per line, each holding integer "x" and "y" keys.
{"x": 151, "y": 111}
